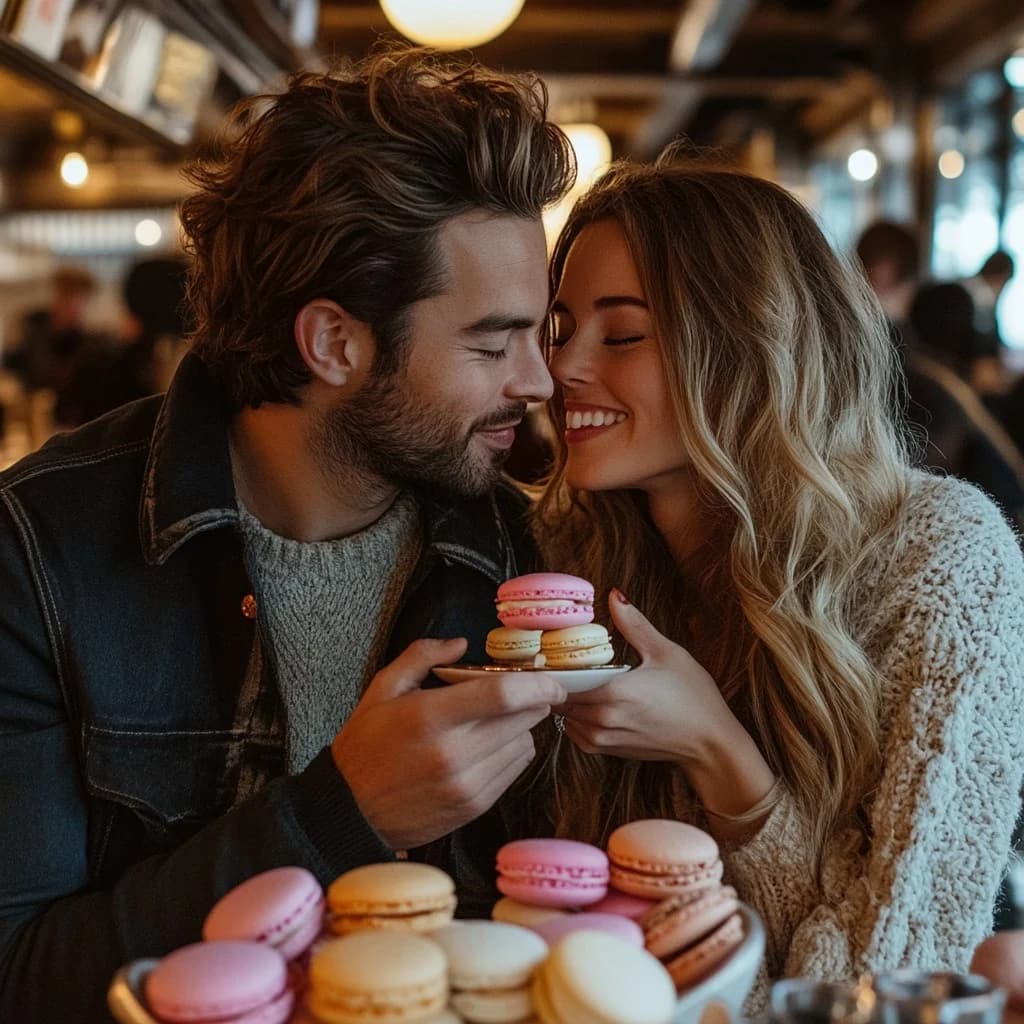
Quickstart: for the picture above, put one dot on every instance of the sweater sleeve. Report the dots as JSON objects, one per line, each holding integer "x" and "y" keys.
{"x": 919, "y": 890}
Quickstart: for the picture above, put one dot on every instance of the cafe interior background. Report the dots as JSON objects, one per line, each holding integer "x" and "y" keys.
{"x": 907, "y": 110}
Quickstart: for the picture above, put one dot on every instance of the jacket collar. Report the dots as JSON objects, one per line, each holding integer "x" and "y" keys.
{"x": 188, "y": 486}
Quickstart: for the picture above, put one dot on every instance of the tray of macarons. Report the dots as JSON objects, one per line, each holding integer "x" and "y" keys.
{"x": 641, "y": 933}
{"x": 547, "y": 624}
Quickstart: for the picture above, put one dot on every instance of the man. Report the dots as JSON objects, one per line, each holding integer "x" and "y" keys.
{"x": 986, "y": 287}
{"x": 890, "y": 256}
{"x": 989, "y": 374}
{"x": 53, "y": 339}
{"x": 210, "y": 653}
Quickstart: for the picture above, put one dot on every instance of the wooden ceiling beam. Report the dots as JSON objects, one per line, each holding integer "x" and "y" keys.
{"x": 337, "y": 20}
{"x": 983, "y": 37}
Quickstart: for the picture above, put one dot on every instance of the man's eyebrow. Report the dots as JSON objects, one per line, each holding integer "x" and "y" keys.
{"x": 500, "y": 323}
{"x": 605, "y": 302}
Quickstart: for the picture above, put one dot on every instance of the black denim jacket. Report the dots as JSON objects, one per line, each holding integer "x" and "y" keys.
{"x": 124, "y": 728}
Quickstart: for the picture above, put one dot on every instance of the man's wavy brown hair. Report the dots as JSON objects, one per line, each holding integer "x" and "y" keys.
{"x": 337, "y": 188}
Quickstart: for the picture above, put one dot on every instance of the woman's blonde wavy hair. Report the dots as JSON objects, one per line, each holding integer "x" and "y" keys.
{"x": 784, "y": 385}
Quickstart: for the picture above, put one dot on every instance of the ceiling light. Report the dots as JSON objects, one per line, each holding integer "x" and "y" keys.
{"x": 148, "y": 232}
{"x": 74, "y": 170}
{"x": 593, "y": 151}
{"x": 951, "y": 164}
{"x": 451, "y": 24}
{"x": 862, "y": 165}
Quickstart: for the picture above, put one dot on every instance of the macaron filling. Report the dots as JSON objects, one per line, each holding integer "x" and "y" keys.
{"x": 396, "y": 1004}
{"x": 695, "y": 963}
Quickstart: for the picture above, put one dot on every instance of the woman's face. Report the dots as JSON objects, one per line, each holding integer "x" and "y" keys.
{"x": 620, "y": 429}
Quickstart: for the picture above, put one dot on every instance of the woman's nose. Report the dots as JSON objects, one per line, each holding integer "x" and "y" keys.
{"x": 570, "y": 365}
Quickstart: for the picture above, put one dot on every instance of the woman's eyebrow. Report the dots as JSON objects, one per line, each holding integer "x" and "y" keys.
{"x": 605, "y": 302}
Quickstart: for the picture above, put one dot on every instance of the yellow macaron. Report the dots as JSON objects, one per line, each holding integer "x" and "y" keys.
{"x": 398, "y": 896}
{"x": 577, "y": 647}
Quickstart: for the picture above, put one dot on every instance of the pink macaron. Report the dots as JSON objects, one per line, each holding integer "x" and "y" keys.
{"x": 545, "y": 600}
{"x": 553, "y": 872}
{"x": 283, "y": 908}
{"x": 636, "y": 908}
{"x": 226, "y": 982}
{"x": 693, "y": 935}
{"x": 610, "y": 924}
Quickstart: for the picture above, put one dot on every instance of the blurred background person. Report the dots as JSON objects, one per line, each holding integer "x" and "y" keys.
{"x": 54, "y": 337}
{"x": 891, "y": 258}
{"x": 143, "y": 359}
{"x": 964, "y": 438}
{"x": 990, "y": 375}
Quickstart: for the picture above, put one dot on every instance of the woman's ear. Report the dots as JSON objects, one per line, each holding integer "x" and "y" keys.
{"x": 335, "y": 346}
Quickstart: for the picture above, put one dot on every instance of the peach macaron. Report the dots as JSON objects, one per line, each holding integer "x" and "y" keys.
{"x": 693, "y": 935}
{"x": 655, "y": 858}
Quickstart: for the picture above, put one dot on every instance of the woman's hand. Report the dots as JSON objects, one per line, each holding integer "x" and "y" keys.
{"x": 667, "y": 709}
{"x": 670, "y": 709}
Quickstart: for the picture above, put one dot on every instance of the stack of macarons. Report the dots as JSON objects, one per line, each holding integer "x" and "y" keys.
{"x": 597, "y": 968}
{"x": 695, "y": 925}
{"x": 547, "y": 620}
{"x": 657, "y": 887}
{"x": 250, "y": 966}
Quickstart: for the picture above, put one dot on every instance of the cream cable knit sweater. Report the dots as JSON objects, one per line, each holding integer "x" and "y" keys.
{"x": 946, "y": 627}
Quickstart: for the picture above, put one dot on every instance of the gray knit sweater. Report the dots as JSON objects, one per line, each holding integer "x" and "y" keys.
{"x": 945, "y": 625}
{"x": 326, "y": 610}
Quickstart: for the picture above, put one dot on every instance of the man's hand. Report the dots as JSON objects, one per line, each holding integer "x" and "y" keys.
{"x": 420, "y": 763}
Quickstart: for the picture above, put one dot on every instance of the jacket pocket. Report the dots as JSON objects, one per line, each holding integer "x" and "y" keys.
{"x": 151, "y": 791}
{"x": 166, "y": 776}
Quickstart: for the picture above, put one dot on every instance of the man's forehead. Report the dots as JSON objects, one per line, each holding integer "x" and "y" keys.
{"x": 482, "y": 243}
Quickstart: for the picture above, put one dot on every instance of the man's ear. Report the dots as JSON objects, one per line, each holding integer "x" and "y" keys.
{"x": 335, "y": 346}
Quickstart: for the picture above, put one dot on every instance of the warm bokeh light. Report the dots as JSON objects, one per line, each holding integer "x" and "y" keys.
{"x": 1018, "y": 123}
{"x": 451, "y": 24}
{"x": 593, "y": 151}
{"x": 862, "y": 165}
{"x": 951, "y": 163}
{"x": 74, "y": 170}
{"x": 148, "y": 232}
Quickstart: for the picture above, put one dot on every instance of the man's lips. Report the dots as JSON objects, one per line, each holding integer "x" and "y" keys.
{"x": 500, "y": 436}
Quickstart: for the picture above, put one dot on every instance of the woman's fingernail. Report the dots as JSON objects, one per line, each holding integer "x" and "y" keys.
{"x": 619, "y": 596}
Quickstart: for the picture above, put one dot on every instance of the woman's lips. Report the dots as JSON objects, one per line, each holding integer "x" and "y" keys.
{"x": 583, "y": 424}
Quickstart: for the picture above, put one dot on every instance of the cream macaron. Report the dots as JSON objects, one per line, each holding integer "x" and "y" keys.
{"x": 378, "y": 977}
{"x": 490, "y": 967}
{"x": 593, "y": 978}
{"x": 515, "y": 646}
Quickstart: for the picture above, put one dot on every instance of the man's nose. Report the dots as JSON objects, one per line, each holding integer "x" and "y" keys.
{"x": 532, "y": 381}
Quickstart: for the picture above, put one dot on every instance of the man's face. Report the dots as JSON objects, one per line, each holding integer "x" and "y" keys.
{"x": 472, "y": 360}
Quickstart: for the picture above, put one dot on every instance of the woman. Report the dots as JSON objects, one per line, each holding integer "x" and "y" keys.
{"x": 830, "y": 644}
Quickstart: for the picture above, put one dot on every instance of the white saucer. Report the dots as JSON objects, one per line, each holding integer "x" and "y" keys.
{"x": 575, "y": 680}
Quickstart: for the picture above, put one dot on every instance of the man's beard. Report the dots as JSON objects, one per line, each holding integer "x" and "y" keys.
{"x": 382, "y": 431}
